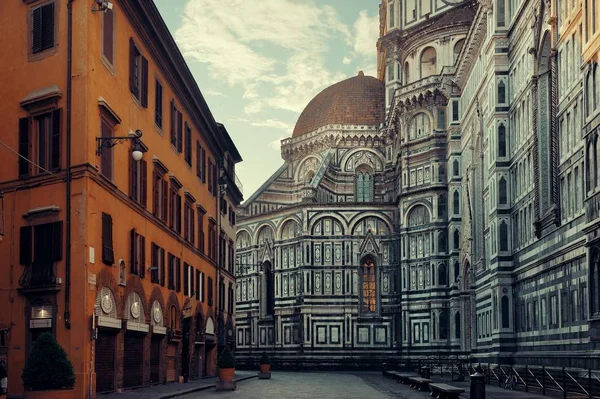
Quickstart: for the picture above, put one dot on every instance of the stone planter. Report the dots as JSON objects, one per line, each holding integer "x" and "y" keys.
{"x": 52, "y": 394}
{"x": 226, "y": 375}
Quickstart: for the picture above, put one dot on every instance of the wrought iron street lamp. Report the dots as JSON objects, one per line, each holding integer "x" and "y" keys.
{"x": 134, "y": 137}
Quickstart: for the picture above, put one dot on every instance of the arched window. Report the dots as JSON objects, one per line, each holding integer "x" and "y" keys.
{"x": 428, "y": 62}
{"x": 457, "y": 325}
{"x": 457, "y": 49}
{"x": 501, "y": 13}
{"x": 270, "y": 288}
{"x": 501, "y": 92}
{"x": 441, "y": 206}
{"x": 456, "y": 239}
{"x": 442, "y": 273}
{"x": 455, "y": 168}
{"x": 502, "y": 191}
{"x": 418, "y": 216}
{"x": 456, "y": 203}
{"x": 369, "y": 289}
{"x": 406, "y": 73}
{"x": 442, "y": 242}
{"x": 501, "y": 140}
{"x": 364, "y": 184}
{"x": 503, "y": 236}
{"x": 420, "y": 126}
{"x": 456, "y": 271}
{"x": 596, "y": 84}
{"x": 444, "y": 324}
{"x": 505, "y": 312}
{"x": 547, "y": 161}
{"x": 589, "y": 94}
{"x": 442, "y": 173}
{"x": 594, "y": 267}
{"x": 596, "y": 160}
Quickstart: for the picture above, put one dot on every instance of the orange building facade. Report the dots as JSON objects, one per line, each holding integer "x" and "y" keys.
{"x": 115, "y": 255}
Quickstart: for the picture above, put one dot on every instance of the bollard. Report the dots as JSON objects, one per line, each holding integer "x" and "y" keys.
{"x": 477, "y": 389}
{"x": 426, "y": 372}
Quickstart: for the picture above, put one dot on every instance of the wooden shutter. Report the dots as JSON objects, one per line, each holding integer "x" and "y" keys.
{"x": 144, "y": 183}
{"x": 178, "y": 271}
{"x": 36, "y": 20}
{"x": 197, "y": 290}
{"x": 171, "y": 260}
{"x": 155, "y": 192}
{"x": 158, "y": 104}
{"x": 165, "y": 203}
{"x": 142, "y": 256}
{"x": 55, "y": 140}
{"x": 144, "y": 99}
{"x": 108, "y": 35}
{"x": 172, "y": 122}
{"x": 57, "y": 229}
{"x": 133, "y": 262}
{"x": 179, "y": 132}
{"x": 210, "y": 291}
{"x": 162, "y": 266}
{"x": 192, "y": 226}
{"x": 202, "y": 285}
{"x": 178, "y": 213}
{"x": 186, "y": 283}
{"x": 133, "y": 179}
{"x": 48, "y": 26}
{"x": 153, "y": 262}
{"x": 132, "y": 54}
{"x": 25, "y": 245}
{"x": 107, "y": 247}
{"x": 203, "y": 166}
{"x": 23, "y": 146}
{"x": 198, "y": 159}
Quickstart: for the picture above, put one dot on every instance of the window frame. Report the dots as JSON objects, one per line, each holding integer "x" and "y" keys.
{"x": 109, "y": 63}
{"x": 38, "y": 55}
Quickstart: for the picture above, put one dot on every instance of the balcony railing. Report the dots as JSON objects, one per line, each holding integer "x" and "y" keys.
{"x": 39, "y": 275}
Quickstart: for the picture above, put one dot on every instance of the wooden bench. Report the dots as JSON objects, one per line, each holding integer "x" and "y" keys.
{"x": 404, "y": 377}
{"x": 445, "y": 391}
{"x": 422, "y": 384}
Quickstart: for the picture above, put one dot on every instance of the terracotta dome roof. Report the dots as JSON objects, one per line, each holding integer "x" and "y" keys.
{"x": 359, "y": 100}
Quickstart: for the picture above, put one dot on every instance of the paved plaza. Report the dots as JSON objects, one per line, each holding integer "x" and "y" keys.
{"x": 325, "y": 385}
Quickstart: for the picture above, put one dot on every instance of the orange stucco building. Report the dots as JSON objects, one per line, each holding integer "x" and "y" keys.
{"x": 115, "y": 255}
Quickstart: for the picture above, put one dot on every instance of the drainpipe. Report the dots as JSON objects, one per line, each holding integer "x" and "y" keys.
{"x": 68, "y": 188}
{"x": 218, "y": 301}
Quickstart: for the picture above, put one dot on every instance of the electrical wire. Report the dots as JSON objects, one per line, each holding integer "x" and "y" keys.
{"x": 25, "y": 158}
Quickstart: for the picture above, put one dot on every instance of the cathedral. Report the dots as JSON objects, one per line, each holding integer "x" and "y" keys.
{"x": 449, "y": 206}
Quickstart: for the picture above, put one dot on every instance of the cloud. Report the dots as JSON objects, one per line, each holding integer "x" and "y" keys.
{"x": 269, "y": 46}
{"x": 276, "y": 144}
{"x": 253, "y": 108}
{"x": 346, "y": 61}
{"x": 274, "y": 124}
{"x": 210, "y": 92}
{"x": 366, "y": 33}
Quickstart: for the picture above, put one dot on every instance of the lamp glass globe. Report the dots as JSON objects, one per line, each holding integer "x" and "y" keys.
{"x": 137, "y": 155}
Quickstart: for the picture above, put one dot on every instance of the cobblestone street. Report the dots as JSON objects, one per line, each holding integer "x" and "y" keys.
{"x": 369, "y": 385}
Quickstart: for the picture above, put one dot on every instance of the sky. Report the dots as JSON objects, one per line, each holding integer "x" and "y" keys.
{"x": 259, "y": 62}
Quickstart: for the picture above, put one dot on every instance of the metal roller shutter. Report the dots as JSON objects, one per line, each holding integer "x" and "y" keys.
{"x": 133, "y": 361}
{"x": 155, "y": 355}
{"x": 105, "y": 362}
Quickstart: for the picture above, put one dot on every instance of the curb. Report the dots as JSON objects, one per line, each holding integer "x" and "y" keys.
{"x": 202, "y": 388}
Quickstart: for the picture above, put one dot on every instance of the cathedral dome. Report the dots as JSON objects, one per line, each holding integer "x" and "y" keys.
{"x": 359, "y": 100}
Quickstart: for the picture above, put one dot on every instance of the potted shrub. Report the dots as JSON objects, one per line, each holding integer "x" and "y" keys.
{"x": 226, "y": 365}
{"x": 48, "y": 372}
{"x": 265, "y": 363}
